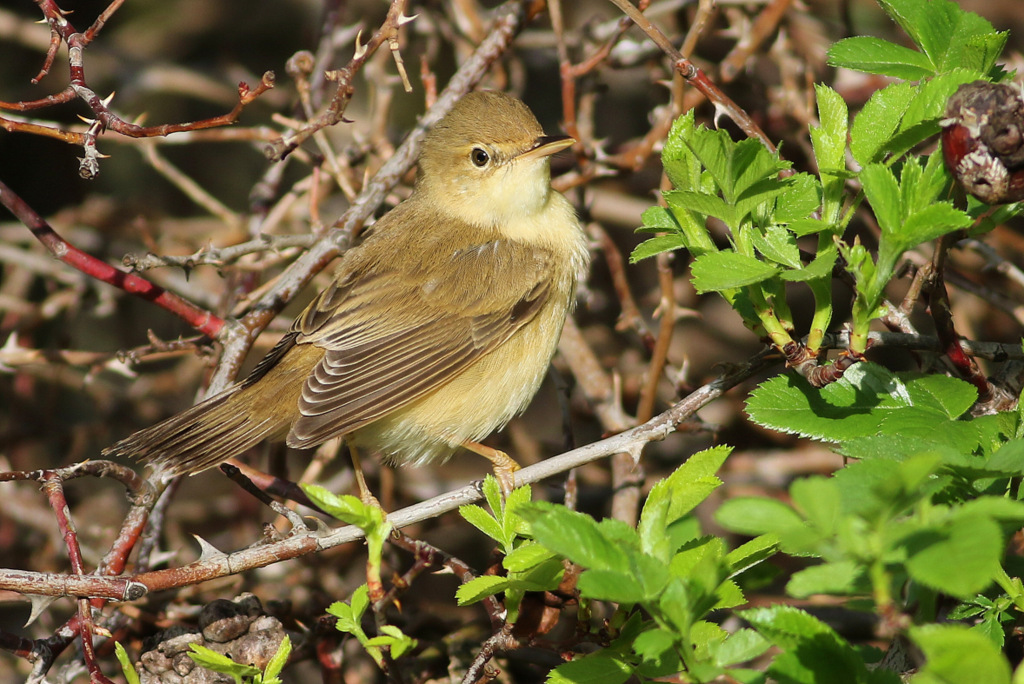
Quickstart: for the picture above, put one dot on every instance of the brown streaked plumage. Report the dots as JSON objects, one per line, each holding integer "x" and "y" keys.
{"x": 437, "y": 329}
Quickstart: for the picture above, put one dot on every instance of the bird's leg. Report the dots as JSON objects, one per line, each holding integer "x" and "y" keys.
{"x": 357, "y": 466}
{"x": 504, "y": 465}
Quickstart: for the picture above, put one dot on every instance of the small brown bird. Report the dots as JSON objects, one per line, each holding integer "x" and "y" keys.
{"x": 437, "y": 329}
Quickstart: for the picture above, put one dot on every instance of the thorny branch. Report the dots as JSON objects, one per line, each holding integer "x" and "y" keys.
{"x": 62, "y": 31}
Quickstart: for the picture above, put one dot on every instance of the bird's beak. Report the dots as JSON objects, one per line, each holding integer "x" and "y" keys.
{"x": 546, "y": 145}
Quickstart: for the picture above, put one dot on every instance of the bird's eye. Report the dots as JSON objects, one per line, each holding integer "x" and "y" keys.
{"x": 480, "y": 157}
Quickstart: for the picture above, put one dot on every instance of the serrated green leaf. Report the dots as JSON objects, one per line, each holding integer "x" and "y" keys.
{"x": 930, "y": 223}
{"x": 878, "y": 120}
{"x": 696, "y": 552}
{"x": 597, "y": 668}
{"x": 703, "y": 204}
{"x": 510, "y": 519}
{"x": 801, "y": 197}
{"x": 741, "y": 646}
{"x": 360, "y": 601}
{"x": 681, "y": 166}
{"x": 952, "y": 396}
{"x": 575, "y": 536}
{"x": 526, "y": 556}
{"x": 218, "y": 662}
{"x": 657, "y": 245}
{"x": 778, "y": 245}
{"x": 713, "y": 149}
{"x": 659, "y": 219}
{"x": 950, "y": 36}
{"x": 760, "y": 197}
{"x": 720, "y": 271}
{"x": 877, "y": 56}
{"x": 883, "y": 194}
{"x": 277, "y": 663}
{"x": 394, "y": 639}
{"x": 349, "y": 509}
{"x": 482, "y": 520}
{"x": 686, "y": 487}
{"x": 492, "y": 495}
{"x": 865, "y": 402}
{"x": 956, "y": 655}
{"x": 480, "y": 588}
{"x": 753, "y": 552}
{"x": 819, "y": 269}
{"x": 808, "y": 226}
{"x": 813, "y": 652}
{"x": 929, "y": 24}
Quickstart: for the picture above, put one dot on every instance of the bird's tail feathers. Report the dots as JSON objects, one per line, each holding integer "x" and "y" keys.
{"x": 199, "y": 438}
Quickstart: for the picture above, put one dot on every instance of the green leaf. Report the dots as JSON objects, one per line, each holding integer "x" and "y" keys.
{"x": 681, "y": 165}
{"x": 350, "y": 614}
{"x": 720, "y": 271}
{"x": 829, "y": 142}
{"x": 686, "y": 487}
{"x": 878, "y": 121}
{"x": 480, "y": 588}
{"x": 130, "y": 673}
{"x": 818, "y": 499}
{"x": 703, "y": 204}
{"x": 1008, "y": 459}
{"x": 974, "y": 541}
{"x": 995, "y": 507}
{"x": 779, "y": 245}
{"x": 575, "y": 536}
{"x": 930, "y": 223}
{"x": 819, "y": 269}
{"x": 511, "y": 521}
{"x": 789, "y": 404}
{"x": 883, "y": 194}
{"x": 658, "y": 220}
{"x": 360, "y": 601}
{"x": 349, "y": 509}
{"x": 655, "y": 246}
{"x": 492, "y": 494}
{"x": 801, "y": 197}
{"x": 956, "y": 655}
{"x": 741, "y": 646}
{"x": 609, "y": 585}
{"x": 483, "y": 521}
{"x": 277, "y": 663}
{"x": 877, "y": 56}
{"x": 657, "y": 651}
{"x": 755, "y": 551}
{"x": 392, "y": 638}
{"x": 756, "y": 516}
{"x": 951, "y": 396}
{"x": 526, "y": 556}
{"x": 218, "y": 662}
{"x": 813, "y": 652}
{"x": 598, "y": 668}
{"x": 948, "y": 35}
{"x": 840, "y": 578}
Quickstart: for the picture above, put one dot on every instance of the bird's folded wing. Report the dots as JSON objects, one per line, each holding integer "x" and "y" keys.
{"x": 391, "y": 337}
